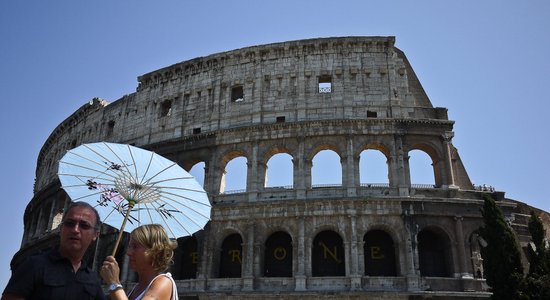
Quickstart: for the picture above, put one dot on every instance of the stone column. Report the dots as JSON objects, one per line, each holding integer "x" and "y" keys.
{"x": 349, "y": 169}
{"x": 300, "y": 259}
{"x": 354, "y": 275}
{"x": 258, "y": 250}
{"x": 261, "y": 170}
{"x": 51, "y": 214}
{"x": 308, "y": 165}
{"x": 347, "y": 251}
{"x": 252, "y": 174}
{"x": 213, "y": 175}
{"x": 207, "y": 185}
{"x": 411, "y": 251}
{"x": 463, "y": 270}
{"x": 248, "y": 259}
{"x": 299, "y": 171}
{"x": 39, "y": 220}
{"x": 210, "y": 252}
{"x": 401, "y": 170}
{"x": 205, "y": 255}
{"x": 447, "y": 141}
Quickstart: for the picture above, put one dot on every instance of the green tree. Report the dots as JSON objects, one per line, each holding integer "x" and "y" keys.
{"x": 501, "y": 256}
{"x": 539, "y": 257}
{"x": 537, "y": 282}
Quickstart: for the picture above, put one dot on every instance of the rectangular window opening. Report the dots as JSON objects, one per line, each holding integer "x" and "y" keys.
{"x": 371, "y": 114}
{"x": 237, "y": 93}
{"x": 196, "y": 130}
{"x": 325, "y": 84}
{"x": 166, "y": 108}
{"x": 110, "y": 128}
{"x": 280, "y": 119}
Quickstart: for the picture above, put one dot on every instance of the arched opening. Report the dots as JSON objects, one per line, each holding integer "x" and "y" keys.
{"x": 186, "y": 258}
{"x": 166, "y": 108}
{"x": 379, "y": 254}
{"x": 231, "y": 257}
{"x": 279, "y": 171}
{"x": 234, "y": 176}
{"x": 326, "y": 169}
{"x": 327, "y": 255}
{"x": 421, "y": 168}
{"x": 278, "y": 255}
{"x": 434, "y": 254}
{"x": 373, "y": 167}
{"x": 197, "y": 171}
{"x": 57, "y": 218}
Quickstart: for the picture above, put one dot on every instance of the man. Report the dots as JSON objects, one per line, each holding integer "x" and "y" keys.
{"x": 60, "y": 273}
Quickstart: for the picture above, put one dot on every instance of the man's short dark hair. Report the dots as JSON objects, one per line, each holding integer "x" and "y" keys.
{"x": 86, "y": 205}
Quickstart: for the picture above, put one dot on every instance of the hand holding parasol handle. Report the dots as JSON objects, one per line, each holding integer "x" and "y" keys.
{"x": 130, "y": 206}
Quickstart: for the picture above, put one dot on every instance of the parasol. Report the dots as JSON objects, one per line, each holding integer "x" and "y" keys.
{"x": 130, "y": 186}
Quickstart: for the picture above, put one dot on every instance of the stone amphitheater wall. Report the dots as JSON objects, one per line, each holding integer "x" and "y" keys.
{"x": 279, "y": 80}
{"x": 191, "y": 112}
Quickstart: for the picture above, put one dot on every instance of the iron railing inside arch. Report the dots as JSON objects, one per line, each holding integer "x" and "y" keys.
{"x": 317, "y": 186}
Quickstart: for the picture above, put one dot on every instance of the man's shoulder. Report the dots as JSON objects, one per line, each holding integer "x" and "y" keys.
{"x": 39, "y": 260}
{"x": 44, "y": 256}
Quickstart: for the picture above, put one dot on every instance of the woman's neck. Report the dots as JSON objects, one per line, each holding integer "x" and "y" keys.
{"x": 145, "y": 277}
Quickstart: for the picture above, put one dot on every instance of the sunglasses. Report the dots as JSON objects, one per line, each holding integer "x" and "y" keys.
{"x": 82, "y": 225}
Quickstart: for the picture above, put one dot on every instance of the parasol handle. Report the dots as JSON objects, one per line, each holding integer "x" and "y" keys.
{"x": 130, "y": 206}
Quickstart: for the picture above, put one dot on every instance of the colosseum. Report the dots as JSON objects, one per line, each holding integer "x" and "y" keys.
{"x": 354, "y": 240}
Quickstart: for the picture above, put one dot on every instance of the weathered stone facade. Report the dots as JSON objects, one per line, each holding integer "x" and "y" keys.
{"x": 344, "y": 94}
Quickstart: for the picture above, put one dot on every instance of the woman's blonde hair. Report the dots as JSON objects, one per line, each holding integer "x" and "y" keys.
{"x": 159, "y": 246}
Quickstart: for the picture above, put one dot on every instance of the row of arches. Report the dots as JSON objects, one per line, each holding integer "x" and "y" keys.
{"x": 373, "y": 168}
{"x": 328, "y": 257}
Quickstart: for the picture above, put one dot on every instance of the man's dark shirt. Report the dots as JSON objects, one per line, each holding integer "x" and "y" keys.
{"x": 50, "y": 276}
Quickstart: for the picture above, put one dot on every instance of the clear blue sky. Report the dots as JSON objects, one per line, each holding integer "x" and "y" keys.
{"x": 486, "y": 61}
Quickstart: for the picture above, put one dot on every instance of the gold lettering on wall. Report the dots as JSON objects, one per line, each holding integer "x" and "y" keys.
{"x": 235, "y": 255}
{"x": 376, "y": 253}
{"x": 333, "y": 254}
{"x": 194, "y": 257}
{"x": 279, "y": 253}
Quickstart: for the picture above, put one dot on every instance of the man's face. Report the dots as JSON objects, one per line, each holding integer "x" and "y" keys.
{"x": 77, "y": 232}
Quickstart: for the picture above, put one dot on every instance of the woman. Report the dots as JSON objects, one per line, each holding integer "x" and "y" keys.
{"x": 150, "y": 252}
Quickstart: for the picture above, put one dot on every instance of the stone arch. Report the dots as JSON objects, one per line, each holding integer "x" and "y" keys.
{"x": 278, "y": 256}
{"x": 59, "y": 202}
{"x": 189, "y": 162}
{"x": 264, "y": 229}
{"x": 396, "y": 233}
{"x": 198, "y": 170}
{"x": 380, "y": 253}
{"x": 314, "y": 154}
{"x": 226, "y": 159}
{"x": 186, "y": 258}
{"x": 231, "y": 253}
{"x": 436, "y": 158}
{"x": 165, "y": 108}
{"x": 320, "y": 227}
{"x": 434, "y": 252}
{"x": 327, "y": 254}
{"x": 380, "y": 149}
{"x": 378, "y": 145}
{"x": 279, "y": 151}
{"x": 320, "y": 146}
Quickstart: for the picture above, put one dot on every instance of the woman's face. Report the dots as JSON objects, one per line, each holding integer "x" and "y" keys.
{"x": 138, "y": 259}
